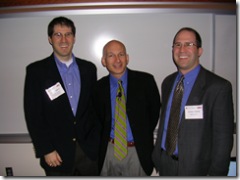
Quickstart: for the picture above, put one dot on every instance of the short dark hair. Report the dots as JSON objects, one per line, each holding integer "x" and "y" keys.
{"x": 63, "y": 21}
{"x": 197, "y": 35}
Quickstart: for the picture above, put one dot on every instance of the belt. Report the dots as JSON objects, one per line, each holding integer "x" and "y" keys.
{"x": 174, "y": 157}
{"x": 129, "y": 144}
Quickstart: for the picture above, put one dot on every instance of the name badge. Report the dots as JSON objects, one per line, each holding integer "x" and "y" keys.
{"x": 194, "y": 112}
{"x": 55, "y": 91}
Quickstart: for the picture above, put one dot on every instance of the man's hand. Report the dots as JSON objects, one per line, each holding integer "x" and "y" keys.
{"x": 53, "y": 159}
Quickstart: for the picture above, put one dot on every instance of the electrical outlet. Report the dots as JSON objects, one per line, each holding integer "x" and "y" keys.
{"x": 9, "y": 171}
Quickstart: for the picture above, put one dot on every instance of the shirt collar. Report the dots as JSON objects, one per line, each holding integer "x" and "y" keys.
{"x": 191, "y": 75}
{"x": 114, "y": 81}
{"x": 63, "y": 65}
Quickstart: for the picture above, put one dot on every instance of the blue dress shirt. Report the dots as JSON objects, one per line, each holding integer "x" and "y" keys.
{"x": 189, "y": 80}
{"x": 113, "y": 91}
{"x": 71, "y": 79}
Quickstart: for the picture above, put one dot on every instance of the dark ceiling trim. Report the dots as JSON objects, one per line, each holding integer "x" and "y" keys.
{"x": 11, "y": 3}
{"x": 229, "y": 8}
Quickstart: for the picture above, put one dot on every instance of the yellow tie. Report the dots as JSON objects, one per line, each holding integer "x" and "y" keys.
{"x": 120, "y": 132}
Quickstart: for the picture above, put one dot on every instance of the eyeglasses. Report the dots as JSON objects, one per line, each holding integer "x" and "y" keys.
{"x": 60, "y": 35}
{"x": 188, "y": 45}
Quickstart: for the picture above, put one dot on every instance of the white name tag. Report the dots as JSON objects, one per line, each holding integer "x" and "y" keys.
{"x": 55, "y": 91}
{"x": 194, "y": 112}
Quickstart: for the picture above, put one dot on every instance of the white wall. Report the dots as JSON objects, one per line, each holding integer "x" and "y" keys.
{"x": 148, "y": 39}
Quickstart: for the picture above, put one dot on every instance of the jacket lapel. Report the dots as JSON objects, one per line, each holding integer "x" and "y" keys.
{"x": 53, "y": 76}
{"x": 131, "y": 87}
{"x": 166, "y": 91}
{"x": 197, "y": 92}
{"x": 196, "y": 95}
{"x": 107, "y": 99}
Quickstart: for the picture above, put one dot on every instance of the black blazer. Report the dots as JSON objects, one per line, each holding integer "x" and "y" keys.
{"x": 51, "y": 124}
{"x": 143, "y": 106}
{"x": 204, "y": 144}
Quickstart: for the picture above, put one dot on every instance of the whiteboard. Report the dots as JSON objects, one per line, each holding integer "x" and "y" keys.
{"x": 147, "y": 36}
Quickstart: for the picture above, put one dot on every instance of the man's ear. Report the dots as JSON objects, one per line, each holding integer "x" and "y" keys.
{"x": 50, "y": 40}
{"x": 200, "y": 51}
{"x": 103, "y": 61}
{"x": 127, "y": 59}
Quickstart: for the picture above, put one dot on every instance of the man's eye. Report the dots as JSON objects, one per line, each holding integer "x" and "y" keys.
{"x": 188, "y": 44}
{"x": 177, "y": 44}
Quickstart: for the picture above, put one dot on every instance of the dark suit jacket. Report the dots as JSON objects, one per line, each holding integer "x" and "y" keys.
{"x": 143, "y": 106}
{"x": 204, "y": 144}
{"x": 51, "y": 124}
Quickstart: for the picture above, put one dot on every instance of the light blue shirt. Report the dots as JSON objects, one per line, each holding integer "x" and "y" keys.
{"x": 189, "y": 80}
{"x": 113, "y": 89}
{"x": 72, "y": 82}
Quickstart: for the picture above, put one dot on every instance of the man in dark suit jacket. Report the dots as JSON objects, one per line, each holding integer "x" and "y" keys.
{"x": 57, "y": 103}
{"x": 205, "y": 130}
{"x": 142, "y": 109}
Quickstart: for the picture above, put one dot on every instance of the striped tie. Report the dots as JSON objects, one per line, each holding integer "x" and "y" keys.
{"x": 172, "y": 132}
{"x": 120, "y": 133}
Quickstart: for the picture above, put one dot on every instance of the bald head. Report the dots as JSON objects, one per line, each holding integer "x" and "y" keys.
{"x": 110, "y": 43}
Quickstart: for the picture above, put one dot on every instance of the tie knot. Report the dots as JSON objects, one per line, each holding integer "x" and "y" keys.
{"x": 181, "y": 78}
{"x": 120, "y": 90}
{"x": 120, "y": 82}
{"x": 180, "y": 84}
